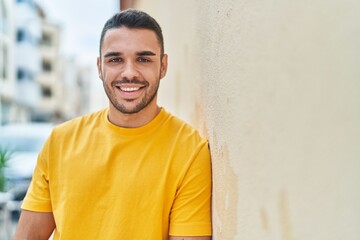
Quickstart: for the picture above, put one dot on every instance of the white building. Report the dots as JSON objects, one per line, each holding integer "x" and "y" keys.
{"x": 36, "y": 82}
{"x": 49, "y": 76}
{"x": 64, "y": 83}
{"x": 7, "y": 79}
{"x": 27, "y": 58}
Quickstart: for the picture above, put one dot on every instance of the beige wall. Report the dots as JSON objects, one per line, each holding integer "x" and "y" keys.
{"x": 275, "y": 86}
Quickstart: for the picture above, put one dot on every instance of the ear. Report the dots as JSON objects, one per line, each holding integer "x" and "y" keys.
{"x": 164, "y": 65}
{"x": 98, "y": 62}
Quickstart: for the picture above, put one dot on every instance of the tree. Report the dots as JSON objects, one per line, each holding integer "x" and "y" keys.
{"x": 4, "y": 157}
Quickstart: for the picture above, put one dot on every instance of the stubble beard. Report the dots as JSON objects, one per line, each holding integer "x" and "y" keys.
{"x": 145, "y": 101}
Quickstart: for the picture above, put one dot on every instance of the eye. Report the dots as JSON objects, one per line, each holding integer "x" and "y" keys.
{"x": 115, "y": 60}
{"x": 143, "y": 60}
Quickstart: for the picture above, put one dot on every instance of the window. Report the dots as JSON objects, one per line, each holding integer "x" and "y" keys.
{"x": 20, "y": 74}
{"x": 46, "y": 92}
{"x": 46, "y": 39}
{"x": 46, "y": 66}
{"x": 20, "y": 35}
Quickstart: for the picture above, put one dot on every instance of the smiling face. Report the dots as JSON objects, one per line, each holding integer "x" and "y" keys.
{"x": 131, "y": 66}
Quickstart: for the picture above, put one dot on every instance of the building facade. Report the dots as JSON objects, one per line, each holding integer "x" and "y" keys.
{"x": 27, "y": 57}
{"x": 7, "y": 79}
{"x": 36, "y": 82}
{"x": 49, "y": 76}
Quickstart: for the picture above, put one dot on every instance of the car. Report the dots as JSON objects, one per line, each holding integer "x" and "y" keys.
{"x": 23, "y": 142}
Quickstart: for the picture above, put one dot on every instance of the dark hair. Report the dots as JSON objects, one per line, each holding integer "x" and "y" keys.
{"x": 132, "y": 18}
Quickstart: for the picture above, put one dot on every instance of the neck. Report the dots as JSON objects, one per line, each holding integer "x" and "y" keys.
{"x": 133, "y": 120}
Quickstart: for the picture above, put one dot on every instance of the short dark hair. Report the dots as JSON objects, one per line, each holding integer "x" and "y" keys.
{"x": 132, "y": 18}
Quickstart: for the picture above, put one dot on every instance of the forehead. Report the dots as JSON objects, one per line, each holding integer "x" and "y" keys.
{"x": 126, "y": 39}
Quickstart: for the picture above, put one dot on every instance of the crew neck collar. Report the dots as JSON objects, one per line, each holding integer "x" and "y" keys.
{"x": 138, "y": 130}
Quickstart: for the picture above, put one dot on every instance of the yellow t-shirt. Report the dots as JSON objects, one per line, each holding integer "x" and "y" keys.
{"x": 104, "y": 182}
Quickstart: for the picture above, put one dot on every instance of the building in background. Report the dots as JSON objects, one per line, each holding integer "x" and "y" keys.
{"x": 76, "y": 93}
{"x": 49, "y": 77}
{"x": 7, "y": 80}
{"x": 58, "y": 78}
{"x": 27, "y": 19}
{"x": 64, "y": 91}
{"x": 37, "y": 83}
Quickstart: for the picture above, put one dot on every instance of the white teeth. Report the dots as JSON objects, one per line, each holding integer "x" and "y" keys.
{"x": 129, "y": 89}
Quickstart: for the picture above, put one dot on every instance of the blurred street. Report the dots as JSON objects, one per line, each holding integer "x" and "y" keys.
{"x": 48, "y": 75}
{"x": 7, "y": 224}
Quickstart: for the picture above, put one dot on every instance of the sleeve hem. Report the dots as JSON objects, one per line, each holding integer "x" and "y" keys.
{"x": 35, "y": 206}
{"x": 195, "y": 229}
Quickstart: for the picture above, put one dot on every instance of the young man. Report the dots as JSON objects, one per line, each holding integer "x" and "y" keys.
{"x": 131, "y": 171}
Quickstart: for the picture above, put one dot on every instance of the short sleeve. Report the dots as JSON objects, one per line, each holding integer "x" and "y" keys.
{"x": 38, "y": 195}
{"x": 191, "y": 211}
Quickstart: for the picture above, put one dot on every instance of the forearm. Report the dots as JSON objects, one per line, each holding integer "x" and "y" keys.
{"x": 34, "y": 226}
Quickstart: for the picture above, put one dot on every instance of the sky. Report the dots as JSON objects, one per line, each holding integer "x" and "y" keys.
{"x": 81, "y": 22}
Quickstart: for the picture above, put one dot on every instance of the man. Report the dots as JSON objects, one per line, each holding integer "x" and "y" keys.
{"x": 132, "y": 171}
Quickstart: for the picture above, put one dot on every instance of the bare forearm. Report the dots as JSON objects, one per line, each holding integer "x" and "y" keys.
{"x": 34, "y": 226}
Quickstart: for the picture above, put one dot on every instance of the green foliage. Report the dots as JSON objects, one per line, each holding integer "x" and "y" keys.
{"x": 4, "y": 157}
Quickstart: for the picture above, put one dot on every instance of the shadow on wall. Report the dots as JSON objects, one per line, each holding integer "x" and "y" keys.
{"x": 225, "y": 181}
{"x": 226, "y": 198}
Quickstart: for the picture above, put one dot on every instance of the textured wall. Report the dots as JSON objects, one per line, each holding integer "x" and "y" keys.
{"x": 275, "y": 85}
{"x": 179, "y": 21}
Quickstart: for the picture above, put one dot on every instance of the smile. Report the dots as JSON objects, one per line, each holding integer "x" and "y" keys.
{"x": 129, "y": 89}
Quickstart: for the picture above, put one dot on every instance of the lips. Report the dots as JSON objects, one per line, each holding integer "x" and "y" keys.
{"x": 130, "y": 91}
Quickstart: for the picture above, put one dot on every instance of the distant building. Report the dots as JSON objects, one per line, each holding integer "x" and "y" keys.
{"x": 49, "y": 78}
{"x": 75, "y": 89}
{"x": 27, "y": 21}
{"x": 7, "y": 79}
{"x": 64, "y": 83}
{"x": 64, "y": 91}
{"x": 37, "y": 83}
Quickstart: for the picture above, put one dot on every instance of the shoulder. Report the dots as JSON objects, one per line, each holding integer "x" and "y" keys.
{"x": 76, "y": 125}
{"x": 183, "y": 132}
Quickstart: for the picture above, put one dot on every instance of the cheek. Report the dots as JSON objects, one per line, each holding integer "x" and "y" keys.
{"x": 152, "y": 73}
{"x": 109, "y": 74}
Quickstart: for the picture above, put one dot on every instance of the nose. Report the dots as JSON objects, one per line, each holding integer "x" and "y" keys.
{"x": 130, "y": 71}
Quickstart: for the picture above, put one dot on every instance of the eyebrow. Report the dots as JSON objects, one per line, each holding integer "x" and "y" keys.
{"x": 112, "y": 54}
{"x": 146, "y": 53}
{"x": 141, "y": 53}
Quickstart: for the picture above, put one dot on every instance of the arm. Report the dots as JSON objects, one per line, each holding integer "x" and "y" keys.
{"x": 190, "y": 214}
{"x": 189, "y": 238}
{"x": 34, "y": 226}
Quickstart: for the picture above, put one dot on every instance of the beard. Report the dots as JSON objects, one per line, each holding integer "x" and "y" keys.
{"x": 120, "y": 105}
